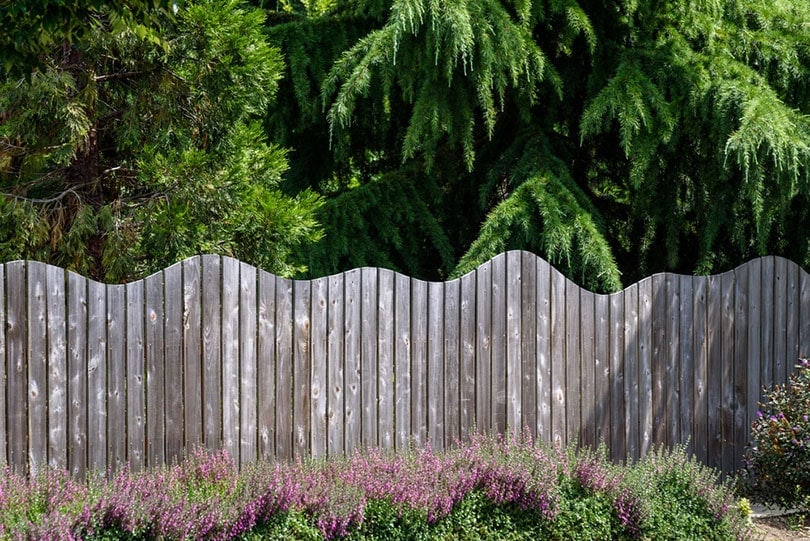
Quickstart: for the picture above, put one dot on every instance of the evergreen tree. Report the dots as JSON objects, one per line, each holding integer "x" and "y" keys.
{"x": 121, "y": 155}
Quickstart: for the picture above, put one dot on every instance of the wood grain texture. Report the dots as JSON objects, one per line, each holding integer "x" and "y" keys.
{"x": 136, "y": 377}
{"x": 116, "y": 378}
{"x": 56, "y": 287}
{"x": 37, "y": 367}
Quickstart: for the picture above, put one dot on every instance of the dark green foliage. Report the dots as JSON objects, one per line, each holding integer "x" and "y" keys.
{"x": 777, "y": 465}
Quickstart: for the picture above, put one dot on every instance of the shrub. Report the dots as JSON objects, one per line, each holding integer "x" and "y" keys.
{"x": 776, "y": 468}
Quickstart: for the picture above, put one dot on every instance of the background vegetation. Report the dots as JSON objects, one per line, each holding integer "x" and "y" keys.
{"x": 615, "y": 139}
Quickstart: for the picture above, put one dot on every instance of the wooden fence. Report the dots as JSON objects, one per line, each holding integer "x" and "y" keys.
{"x": 214, "y": 352}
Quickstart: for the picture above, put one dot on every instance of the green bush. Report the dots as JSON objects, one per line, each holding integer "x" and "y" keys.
{"x": 776, "y": 468}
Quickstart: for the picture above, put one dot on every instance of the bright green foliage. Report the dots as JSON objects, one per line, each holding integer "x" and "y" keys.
{"x": 120, "y": 158}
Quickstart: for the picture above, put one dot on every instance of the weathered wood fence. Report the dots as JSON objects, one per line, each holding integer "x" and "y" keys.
{"x": 214, "y": 352}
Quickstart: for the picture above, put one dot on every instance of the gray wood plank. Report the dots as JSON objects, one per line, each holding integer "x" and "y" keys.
{"x": 742, "y": 305}
{"x": 714, "y": 337}
{"x": 212, "y": 350}
{"x": 499, "y": 343}
{"x": 435, "y": 365}
{"x": 173, "y": 346}
{"x": 618, "y": 435}
{"x": 631, "y": 369}
{"x": 781, "y": 306}
{"x": 451, "y": 362}
{"x": 3, "y": 404}
{"x": 514, "y": 376}
{"x": 135, "y": 375}
{"x": 302, "y": 367}
{"x": 336, "y": 383}
{"x": 588, "y": 370}
{"x": 601, "y": 364}
{"x": 37, "y": 367}
{"x": 266, "y": 369}
{"x": 284, "y": 369}
{"x": 116, "y": 378}
{"x": 528, "y": 343}
{"x": 193, "y": 388}
{"x": 770, "y": 286}
{"x": 483, "y": 347}
{"x": 543, "y": 348}
{"x": 792, "y": 317}
{"x": 727, "y": 285}
{"x": 673, "y": 358}
{"x": 97, "y": 376}
{"x": 419, "y": 361}
{"x": 385, "y": 359}
{"x": 57, "y": 367}
{"x": 231, "y": 421}
{"x": 700, "y": 414}
{"x": 17, "y": 371}
{"x": 686, "y": 382}
{"x": 645, "y": 341}
{"x": 402, "y": 361}
{"x": 352, "y": 379}
{"x": 248, "y": 364}
{"x": 804, "y": 314}
{"x": 154, "y": 398}
{"x": 77, "y": 374}
{"x": 558, "y": 357}
{"x": 368, "y": 361}
{"x": 467, "y": 366}
{"x": 751, "y": 385}
{"x": 318, "y": 383}
{"x": 660, "y": 387}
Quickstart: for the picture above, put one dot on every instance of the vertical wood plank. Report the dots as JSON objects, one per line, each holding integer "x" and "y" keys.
{"x": 212, "y": 350}
{"x": 231, "y": 424}
{"x": 645, "y": 341}
{"x": 284, "y": 369}
{"x": 781, "y": 307}
{"x": 686, "y": 383}
{"x": 770, "y": 286}
{"x": 57, "y": 368}
{"x": 451, "y": 362}
{"x": 588, "y": 376}
{"x": 192, "y": 353}
{"x": 714, "y": 317}
{"x": 3, "y": 404}
{"x": 499, "y": 353}
{"x": 618, "y": 437}
{"x": 601, "y": 363}
{"x": 514, "y": 376}
{"x": 173, "y": 307}
{"x": 97, "y": 376}
{"x": 402, "y": 361}
{"x": 352, "y": 334}
{"x": 727, "y": 285}
{"x": 419, "y": 362}
{"x": 528, "y": 343}
{"x": 804, "y": 315}
{"x": 155, "y": 400}
{"x": 385, "y": 358}
{"x": 17, "y": 371}
{"x": 266, "y": 370}
{"x": 37, "y": 367}
{"x": 631, "y": 369}
{"x": 467, "y": 367}
{"x": 543, "y": 345}
{"x": 659, "y": 359}
{"x": 320, "y": 318}
{"x": 116, "y": 378}
{"x": 77, "y": 374}
{"x": 673, "y": 360}
{"x": 792, "y": 317}
{"x": 752, "y": 368}
{"x": 248, "y": 367}
{"x": 483, "y": 347}
{"x": 558, "y": 358}
{"x": 136, "y": 405}
{"x": 435, "y": 365}
{"x": 700, "y": 414}
{"x": 368, "y": 361}
{"x": 335, "y": 384}
{"x": 302, "y": 366}
{"x": 742, "y": 323}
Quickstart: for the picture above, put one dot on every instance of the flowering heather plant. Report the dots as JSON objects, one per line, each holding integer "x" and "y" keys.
{"x": 776, "y": 468}
{"x": 494, "y": 487}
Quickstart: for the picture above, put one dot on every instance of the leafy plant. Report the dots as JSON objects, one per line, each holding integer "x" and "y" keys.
{"x": 777, "y": 464}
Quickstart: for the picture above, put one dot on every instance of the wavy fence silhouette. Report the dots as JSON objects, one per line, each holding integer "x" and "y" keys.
{"x": 214, "y": 352}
